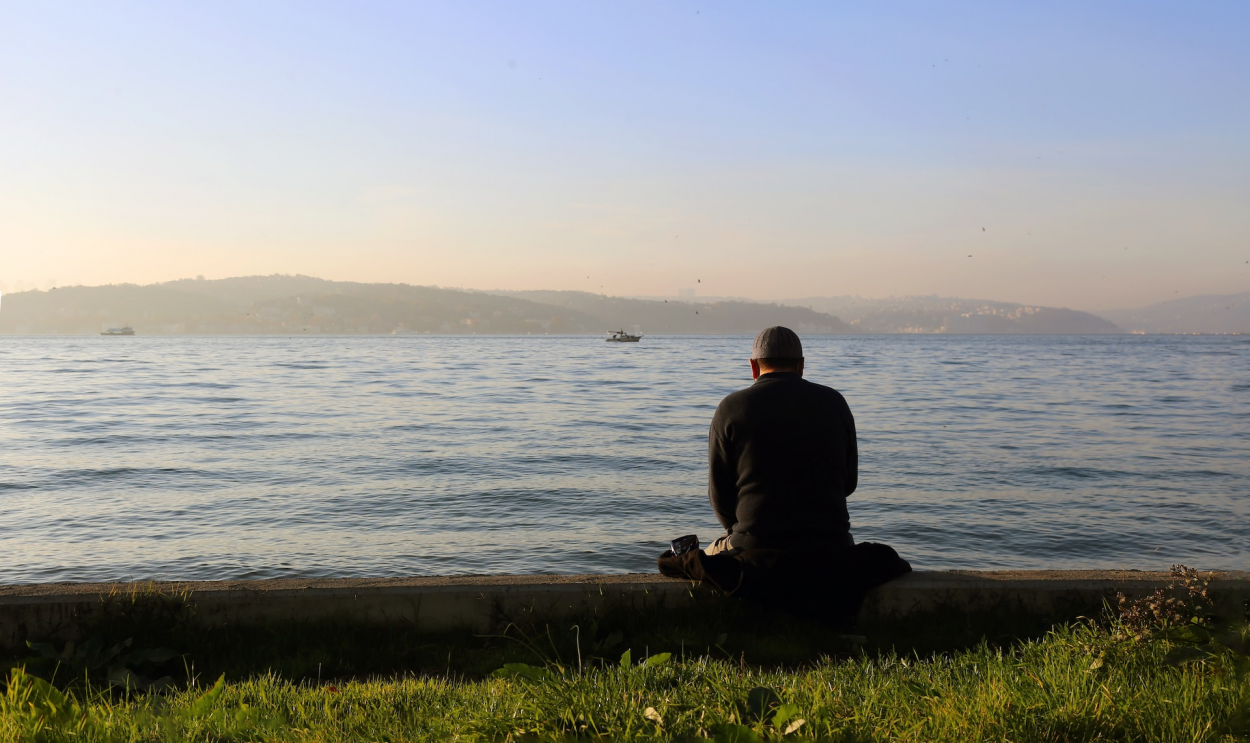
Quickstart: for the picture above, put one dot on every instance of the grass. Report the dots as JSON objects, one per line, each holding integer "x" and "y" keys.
{"x": 1080, "y": 682}
{"x": 1159, "y": 668}
{"x": 148, "y": 638}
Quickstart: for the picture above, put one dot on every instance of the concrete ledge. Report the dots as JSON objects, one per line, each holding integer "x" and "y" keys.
{"x": 434, "y": 604}
{"x": 1053, "y": 595}
{"x": 480, "y": 603}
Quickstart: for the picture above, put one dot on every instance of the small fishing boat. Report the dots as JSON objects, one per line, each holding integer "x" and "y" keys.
{"x": 126, "y": 330}
{"x": 620, "y": 336}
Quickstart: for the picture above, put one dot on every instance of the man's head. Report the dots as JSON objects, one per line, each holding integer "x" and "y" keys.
{"x": 776, "y": 349}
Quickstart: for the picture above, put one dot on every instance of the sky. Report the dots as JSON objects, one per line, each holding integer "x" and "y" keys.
{"x": 1087, "y": 155}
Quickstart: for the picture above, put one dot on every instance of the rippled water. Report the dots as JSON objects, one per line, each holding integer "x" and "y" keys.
{"x": 221, "y": 457}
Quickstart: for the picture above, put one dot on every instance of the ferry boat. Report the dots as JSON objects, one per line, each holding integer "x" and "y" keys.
{"x": 620, "y": 336}
{"x": 127, "y": 330}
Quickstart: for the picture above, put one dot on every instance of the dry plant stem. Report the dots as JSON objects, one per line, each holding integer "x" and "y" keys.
{"x": 1186, "y": 600}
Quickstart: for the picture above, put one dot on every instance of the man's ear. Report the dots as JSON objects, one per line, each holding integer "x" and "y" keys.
{"x": 800, "y": 367}
{"x": 755, "y": 369}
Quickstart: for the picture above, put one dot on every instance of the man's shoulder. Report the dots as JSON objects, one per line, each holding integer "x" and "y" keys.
{"x": 766, "y": 388}
{"x": 733, "y": 401}
{"x": 822, "y": 389}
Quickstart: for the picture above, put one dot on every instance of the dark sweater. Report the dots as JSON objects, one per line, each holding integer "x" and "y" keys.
{"x": 782, "y": 459}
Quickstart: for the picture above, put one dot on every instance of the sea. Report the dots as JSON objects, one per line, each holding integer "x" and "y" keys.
{"x": 215, "y": 457}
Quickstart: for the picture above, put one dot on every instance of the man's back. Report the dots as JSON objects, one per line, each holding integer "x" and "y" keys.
{"x": 783, "y": 459}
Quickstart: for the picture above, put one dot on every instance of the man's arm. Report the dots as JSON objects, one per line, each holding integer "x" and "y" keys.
{"x": 852, "y": 453}
{"x": 722, "y": 477}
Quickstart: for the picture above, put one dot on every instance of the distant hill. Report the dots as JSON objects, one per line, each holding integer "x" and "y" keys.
{"x": 281, "y": 305}
{"x": 672, "y": 316}
{"x": 949, "y": 315}
{"x": 1217, "y": 313}
{"x": 302, "y": 304}
{"x": 88, "y": 309}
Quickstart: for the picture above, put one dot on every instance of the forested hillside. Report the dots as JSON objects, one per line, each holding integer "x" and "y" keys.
{"x": 302, "y": 304}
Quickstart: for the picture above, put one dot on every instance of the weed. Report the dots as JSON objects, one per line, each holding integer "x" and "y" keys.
{"x": 1185, "y": 600}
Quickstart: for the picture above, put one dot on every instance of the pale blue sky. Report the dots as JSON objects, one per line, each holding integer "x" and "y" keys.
{"x": 770, "y": 150}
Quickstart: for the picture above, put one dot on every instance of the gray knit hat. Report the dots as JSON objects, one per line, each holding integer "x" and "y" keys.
{"x": 777, "y": 343}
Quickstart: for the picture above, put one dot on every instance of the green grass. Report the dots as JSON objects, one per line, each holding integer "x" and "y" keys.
{"x": 716, "y": 668}
{"x": 1077, "y": 683}
{"x": 146, "y": 635}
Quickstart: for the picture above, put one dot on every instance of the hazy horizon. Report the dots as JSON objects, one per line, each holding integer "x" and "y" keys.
{"x": 678, "y": 295}
{"x": 1061, "y": 155}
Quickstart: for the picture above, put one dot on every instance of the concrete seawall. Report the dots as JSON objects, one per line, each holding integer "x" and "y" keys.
{"x": 483, "y": 603}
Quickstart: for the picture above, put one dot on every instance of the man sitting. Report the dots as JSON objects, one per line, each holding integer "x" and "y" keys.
{"x": 782, "y": 456}
{"x": 781, "y": 460}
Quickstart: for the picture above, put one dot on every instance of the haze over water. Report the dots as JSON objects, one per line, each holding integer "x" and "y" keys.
{"x": 224, "y": 457}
